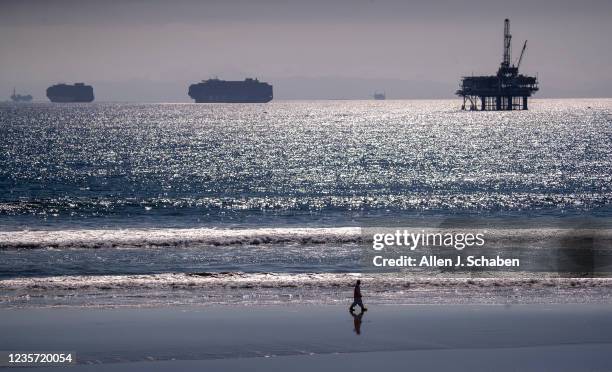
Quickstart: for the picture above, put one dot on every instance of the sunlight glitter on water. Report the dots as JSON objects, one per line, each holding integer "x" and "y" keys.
{"x": 168, "y": 162}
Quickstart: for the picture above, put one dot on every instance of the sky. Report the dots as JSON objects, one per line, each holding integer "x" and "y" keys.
{"x": 151, "y": 51}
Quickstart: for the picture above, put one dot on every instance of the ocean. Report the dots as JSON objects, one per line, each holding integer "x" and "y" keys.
{"x": 116, "y": 203}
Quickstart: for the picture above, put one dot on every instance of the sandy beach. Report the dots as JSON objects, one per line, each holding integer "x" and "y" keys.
{"x": 426, "y": 337}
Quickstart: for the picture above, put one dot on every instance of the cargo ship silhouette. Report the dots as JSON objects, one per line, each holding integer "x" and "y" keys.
{"x": 224, "y": 91}
{"x": 78, "y": 92}
{"x": 19, "y": 98}
{"x": 380, "y": 96}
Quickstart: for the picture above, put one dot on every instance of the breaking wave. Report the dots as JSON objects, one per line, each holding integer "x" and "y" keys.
{"x": 182, "y": 237}
{"x": 237, "y": 288}
{"x": 175, "y": 237}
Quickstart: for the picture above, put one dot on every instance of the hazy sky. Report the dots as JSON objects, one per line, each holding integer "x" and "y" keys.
{"x": 152, "y": 50}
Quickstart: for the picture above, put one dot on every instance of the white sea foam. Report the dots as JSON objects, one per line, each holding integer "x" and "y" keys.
{"x": 375, "y": 281}
{"x": 175, "y": 237}
{"x": 278, "y": 288}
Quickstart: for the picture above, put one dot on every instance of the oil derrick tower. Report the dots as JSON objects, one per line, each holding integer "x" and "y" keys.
{"x": 508, "y": 90}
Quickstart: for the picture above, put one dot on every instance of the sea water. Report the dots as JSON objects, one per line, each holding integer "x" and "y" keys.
{"x": 94, "y": 193}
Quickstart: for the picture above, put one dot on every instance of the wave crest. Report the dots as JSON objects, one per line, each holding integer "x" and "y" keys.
{"x": 175, "y": 237}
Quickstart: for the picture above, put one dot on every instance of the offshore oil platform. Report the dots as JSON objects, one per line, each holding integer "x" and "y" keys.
{"x": 508, "y": 90}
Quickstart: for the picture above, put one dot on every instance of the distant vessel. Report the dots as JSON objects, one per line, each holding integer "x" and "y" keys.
{"x": 220, "y": 91}
{"x": 20, "y": 98}
{"x": 380, "y": 96}
{"x": 78, "y": 92}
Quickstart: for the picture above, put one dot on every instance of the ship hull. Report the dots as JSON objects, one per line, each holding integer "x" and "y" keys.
{"x": 69, "y": 99}
{"x": 233, "y": 100}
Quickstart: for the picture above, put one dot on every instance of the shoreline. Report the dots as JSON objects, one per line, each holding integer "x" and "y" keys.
{"x": 244, "y": 289}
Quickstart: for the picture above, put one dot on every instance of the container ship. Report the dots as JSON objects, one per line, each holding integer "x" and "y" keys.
{"x": 380, "y": 96}
{"x": 19, "y": 98}
{"x": 78, "y": 92}
{"x": 223, "y": 91}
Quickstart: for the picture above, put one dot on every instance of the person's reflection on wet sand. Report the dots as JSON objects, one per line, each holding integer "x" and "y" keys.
{"x": 357, "y": 321}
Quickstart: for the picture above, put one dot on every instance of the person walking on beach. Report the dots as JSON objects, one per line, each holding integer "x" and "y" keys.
{"x": 357, "y": 298}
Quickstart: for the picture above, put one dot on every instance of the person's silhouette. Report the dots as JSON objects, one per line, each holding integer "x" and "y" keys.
{"x": 357, "y": 321}
{"x": 357, "y": 298}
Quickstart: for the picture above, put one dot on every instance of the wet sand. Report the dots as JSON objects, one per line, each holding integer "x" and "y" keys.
{"x": 425, "y": 337}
